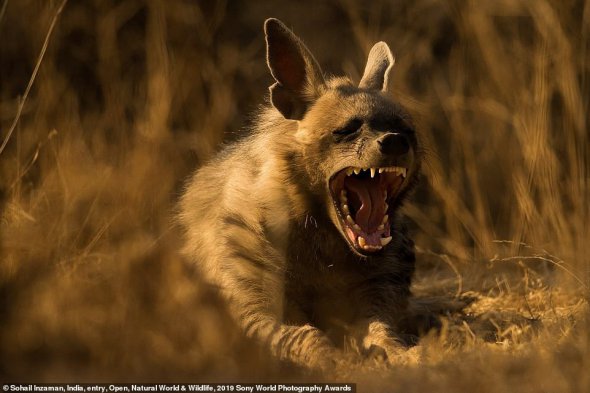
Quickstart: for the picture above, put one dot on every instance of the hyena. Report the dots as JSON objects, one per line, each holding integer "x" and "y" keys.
{"x": 298, "y": 224}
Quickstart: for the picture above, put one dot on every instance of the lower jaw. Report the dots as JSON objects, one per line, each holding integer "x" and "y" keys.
{"x": 364, "y": 242}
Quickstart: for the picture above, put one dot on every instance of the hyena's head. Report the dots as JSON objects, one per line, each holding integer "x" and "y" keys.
{"x": 359, "y": 148}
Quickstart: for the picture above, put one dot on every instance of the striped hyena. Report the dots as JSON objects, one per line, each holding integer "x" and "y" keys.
{"x": 298, "y": 224}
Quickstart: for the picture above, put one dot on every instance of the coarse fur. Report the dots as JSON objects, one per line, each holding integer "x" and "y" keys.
{"x": 261, "y": 224}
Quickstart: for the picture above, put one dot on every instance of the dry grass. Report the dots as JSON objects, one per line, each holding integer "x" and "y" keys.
{"x": 133, "y": 94}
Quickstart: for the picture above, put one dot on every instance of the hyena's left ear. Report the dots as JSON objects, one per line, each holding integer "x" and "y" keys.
{"x": 379, "y": 64}
{"x": 298, "y": 75}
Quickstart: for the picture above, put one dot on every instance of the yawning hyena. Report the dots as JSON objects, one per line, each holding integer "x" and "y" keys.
{"x": 298, "y": 224}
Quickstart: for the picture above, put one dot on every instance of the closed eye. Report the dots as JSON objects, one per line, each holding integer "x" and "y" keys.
{"x": 351, "y": 127}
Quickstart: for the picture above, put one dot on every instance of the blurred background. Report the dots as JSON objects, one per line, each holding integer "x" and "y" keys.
{"x": 133, "y": 95}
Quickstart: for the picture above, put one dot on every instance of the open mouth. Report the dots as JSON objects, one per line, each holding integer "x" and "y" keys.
{"x": 362, "y": 198}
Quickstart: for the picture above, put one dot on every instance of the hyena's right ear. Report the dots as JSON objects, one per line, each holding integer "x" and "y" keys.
{"x": 379, "y": 63}
{"x": 298, "y": 75}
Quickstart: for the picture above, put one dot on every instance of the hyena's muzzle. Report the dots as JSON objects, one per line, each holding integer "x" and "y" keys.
{"x": 366, "y": 195}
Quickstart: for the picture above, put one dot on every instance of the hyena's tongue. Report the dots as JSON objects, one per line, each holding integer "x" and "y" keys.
{"x": 367, "y": 198}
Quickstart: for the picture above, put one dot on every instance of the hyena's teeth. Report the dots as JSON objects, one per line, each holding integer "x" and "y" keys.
{"x": 395, "y": 169}
{"x": 385, "y": 219}
{"x": 362, "y": 242}
{"x": 349, "y": 219}
{"x": 385, "y": 240}
{"x": 357, "y": 227}
{"x": 345, "y": 209}
{"x": 400, "y": 171}
{"x": 372, "y": 248}
{"x": 386, "y": 206}
{"x": 381, "y": 227}
{"x": 343, "y": 198}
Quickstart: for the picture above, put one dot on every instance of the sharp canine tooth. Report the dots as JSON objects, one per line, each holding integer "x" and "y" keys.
{"x": 381, "y": 227}
{"x": 385, "y": 240}
{"x": 403, "y": 172}
{"x": 372, "y": 172}
{"x": 349, "y": 219}
{"x": 357, "y": 171}
{"x": 356, "y": 227}
{"x": 362, "y": 242}
{"x": 381, "y": 170}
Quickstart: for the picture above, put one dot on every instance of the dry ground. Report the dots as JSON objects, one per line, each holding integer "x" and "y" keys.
{"x": 132, "y": 95}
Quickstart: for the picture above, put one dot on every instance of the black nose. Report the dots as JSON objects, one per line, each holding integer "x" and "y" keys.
{"x": 393, "y": 144}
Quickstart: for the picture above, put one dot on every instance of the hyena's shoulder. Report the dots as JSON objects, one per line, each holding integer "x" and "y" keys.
{"x": 242, "y": 201}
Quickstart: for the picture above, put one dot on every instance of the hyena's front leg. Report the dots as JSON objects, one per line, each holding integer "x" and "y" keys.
{"x": 255, "y": 289}
{"x": 393, "y": 331}
{"x": 380, "y": 340}
{"x": 378, "y": 330}
{"x": 304, "y": 345}
{"x": 396, "y": 339}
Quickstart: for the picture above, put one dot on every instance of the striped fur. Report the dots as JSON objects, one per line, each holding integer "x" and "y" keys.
{"x": 259, "y": 223}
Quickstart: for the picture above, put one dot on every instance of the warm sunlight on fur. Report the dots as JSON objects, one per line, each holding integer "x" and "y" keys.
{"x": 127, "y": 98}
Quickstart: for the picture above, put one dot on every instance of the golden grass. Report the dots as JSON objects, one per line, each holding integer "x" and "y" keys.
{"x": 132, "y": 95}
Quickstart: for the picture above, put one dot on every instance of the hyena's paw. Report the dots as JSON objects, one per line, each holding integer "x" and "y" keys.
{"x": 396, "y": 355}
{"x": 390, "y": 351}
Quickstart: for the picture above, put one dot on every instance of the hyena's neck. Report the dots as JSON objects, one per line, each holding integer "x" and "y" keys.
{"x": 313, "y": 246}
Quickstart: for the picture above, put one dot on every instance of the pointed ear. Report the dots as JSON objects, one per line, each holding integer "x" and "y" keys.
{"x": 298, "y": 76}
{"x": 379, "y": 64}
